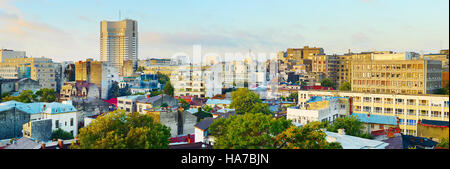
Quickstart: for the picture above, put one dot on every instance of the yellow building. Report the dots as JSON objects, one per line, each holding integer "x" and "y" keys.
{"x": 435, "y": 130}
{"x": 408, "y": 108}
{"x": 303, "y": 53}
{"x": 41, "y": 69}
{"x": 344, "y": 62}
{"x": 396, "y": 76}
{"x": 89, "y": 71}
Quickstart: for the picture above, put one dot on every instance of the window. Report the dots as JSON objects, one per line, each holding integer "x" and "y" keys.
{"x": 71, "y": 121}
{"x": 372, "y": 126}
{"x": 381, "y": 127}
{"x": 57, "y": 124}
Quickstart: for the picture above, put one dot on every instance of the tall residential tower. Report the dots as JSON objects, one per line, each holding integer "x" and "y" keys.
{"x": 119, "y": 43}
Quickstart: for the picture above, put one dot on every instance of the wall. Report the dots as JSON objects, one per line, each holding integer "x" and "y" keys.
{"x": 7, "y": 123}
{"x": 432, "y": 132}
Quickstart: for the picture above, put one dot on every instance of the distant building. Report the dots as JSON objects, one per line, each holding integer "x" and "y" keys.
{"x": 119, "y": 43}
{"x": 11, "y": 54}
{"x": 40, "y": 130}
{"x": 102, "y": 74}
{"x": 128, "y": 103}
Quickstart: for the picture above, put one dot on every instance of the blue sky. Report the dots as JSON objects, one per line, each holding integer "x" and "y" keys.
{"x": 69, "y": 30}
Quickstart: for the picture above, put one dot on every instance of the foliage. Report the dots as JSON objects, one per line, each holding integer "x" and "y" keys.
{"x": 46, "y": 95}
{"x": 126, "y": 91}
{"x": 164, "y": 105}
{"x": 162, "y": 78}
{"x": 446, "y": 89}
{"x": 156, "y": 93}
{"x": 168, "y": 89}
{"x": 327, "y": 83}
{"x": 248, "y": 131}
{"x": 27, "y": 96}
{"x": 443, "y": 143}
{"x": 351, "y": 125}
{"x": 245, "y": 101}
{"x": 207, "y": 108}
{"x": 303, "y": 84}
{"x": 307, "y": 137}
{"x": 202, "y": 114}
{"x": 61, "y": 134}
{"x": 184, "y": 104}
{"x": 121, "y": 130}
{"x": 346, "y": 86}
{"x": 293, "y": 96}
{"x": 140, "y": 69}
{"x": 114, "y": 91}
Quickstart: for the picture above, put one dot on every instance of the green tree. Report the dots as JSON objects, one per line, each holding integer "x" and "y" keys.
{"x": 162, "y": 78}
{"x": 46, "y": 95}
{"x": 307, "y": 137}
{"x": 156, "y": 93}
{"x": 168, "y": 89}
{"x": 293, "y": 96}
{"x": 164, "y": 105}
{"x": 303, "y": 84}
{"x": 202, "y": 114}
{"x": 346, "y": 86}
{"x": 245, "y": 101}
{"x": 184, "y": 104}
{"x": 114, "y": 91}
{"x": 126, "y": 91}
{"x": 351, "y": 125}
{"x": 443, "y": 143}
{"x": 61, "y": 134}
{"x": 140, "y": 69}
{"x": 327, "y": 83}
{"x": 27, "y": 96}
{"x": 248, "y": 131}
{"x": 121, "y": 130}
{"x": 446, "y": 89}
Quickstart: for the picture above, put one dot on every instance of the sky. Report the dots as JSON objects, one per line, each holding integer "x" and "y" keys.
{"x": 69, "y": 29}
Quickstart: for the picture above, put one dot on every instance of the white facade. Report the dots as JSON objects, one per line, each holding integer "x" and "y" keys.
{"x": 109, "y": 75}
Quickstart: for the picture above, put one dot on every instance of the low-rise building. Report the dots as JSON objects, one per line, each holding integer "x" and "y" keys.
{"x": 433, "y": 129}
{"x": 408, "y": 108}
{"x": 376, "y": 124}
{"x": 319, "y": 109}
{"x": 128, "y": 103}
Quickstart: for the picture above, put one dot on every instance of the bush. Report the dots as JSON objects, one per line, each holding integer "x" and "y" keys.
{"x": 61, "y": 134}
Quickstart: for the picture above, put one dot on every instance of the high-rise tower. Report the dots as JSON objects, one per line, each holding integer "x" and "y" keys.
{"x": 119, "y": 43}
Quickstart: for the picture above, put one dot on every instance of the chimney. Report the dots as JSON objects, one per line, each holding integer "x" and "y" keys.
{"x": 60, "y": 143}
{"x": 341, "y": 131}
{"x": 43, "y": 146}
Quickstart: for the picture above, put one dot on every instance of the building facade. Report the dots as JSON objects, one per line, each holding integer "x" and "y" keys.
{"x": 119, "y": 43}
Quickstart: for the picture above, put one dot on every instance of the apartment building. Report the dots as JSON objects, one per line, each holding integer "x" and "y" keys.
{"x": 408, "y": 108}
{"x": 100, "y": 73}
{"x": 42, "y": 70}
{"x": 188, "y": 81}
{"x": 319, "y": 108}
{"x": 119, "y": 43}
{"x": 11, "y": 54}
{"x": 396, "y": 76}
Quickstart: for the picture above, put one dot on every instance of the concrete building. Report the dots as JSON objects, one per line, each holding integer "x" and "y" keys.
{"x": 433, "y": 129}
{"x": 154, "y": 102}
{"x": 13, "y": 115}
{"x": 100, "y": 73}
{"x": 396, "y": 76}
{"x": 408, "y": 108}
{"x": 374, "y": 124}
{"x": 40, "y": 69}
{"x": 180, "y": 122}
{"x": 11, "y": 54}
{"x": 319, "y": 109}
{"x": 39, "y": 130}
{"x": 26, "y": 84}
{"x": 119, "y": 43}
{"x": 128, "y": 103}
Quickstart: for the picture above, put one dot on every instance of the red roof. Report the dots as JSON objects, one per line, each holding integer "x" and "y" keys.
{"x": 112, "y": 101}
{"x": 182, "y": 138}
{"x": 186, "y": 98}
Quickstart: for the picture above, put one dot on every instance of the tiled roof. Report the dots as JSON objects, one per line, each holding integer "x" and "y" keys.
{"x": 377, "y": 119}
{"x": 24, "y": 143}
{"x": 34, "y": 108}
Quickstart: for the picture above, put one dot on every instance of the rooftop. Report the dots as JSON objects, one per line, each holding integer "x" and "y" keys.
{"x": 376, "y": 119}
{"x": 35, "y": 108}
{"x": 322, "y": 98}
{"x": 218, "y": 101}
{"x": 352, "y": 142}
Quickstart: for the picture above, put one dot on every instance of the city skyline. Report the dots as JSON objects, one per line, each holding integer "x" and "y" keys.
{"x": 64, "y": 32}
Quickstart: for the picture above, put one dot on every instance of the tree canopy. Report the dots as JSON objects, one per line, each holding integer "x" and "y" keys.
{"x": 114, "y": 90}
{"x": 121, "y": 130}
{"x": 346, "y": 86}
{"x": 162, "y": 78}
{"x": 201, "y": 114}
{"x": 61, "y": 134}
{"x": 27, "y": 96}
{"x": 259, "y": 131}
{"x": 168, "y": 89}
{"x": 327, "y": 83}
{"x": 245, "y": 101}
{"x": 351, "y": 125}
{"x": 46, "y": 95}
